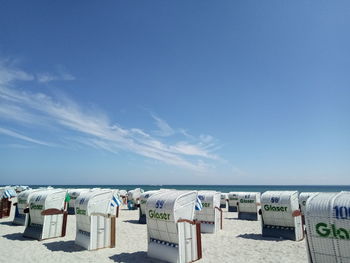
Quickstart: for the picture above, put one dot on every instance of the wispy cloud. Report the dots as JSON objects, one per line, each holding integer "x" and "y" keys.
{"x": 48, "y": 77}
{"x": 163, "y": 126}
{"x": 95, "y": 129}
{"x": 22, "y": 137}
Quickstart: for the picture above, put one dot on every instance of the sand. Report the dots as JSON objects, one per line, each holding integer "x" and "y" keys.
{"x": 239, "y": 241}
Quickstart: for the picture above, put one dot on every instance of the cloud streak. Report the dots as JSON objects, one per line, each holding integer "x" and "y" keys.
{"x": 22, "y": 137}
{"x": 95, "y": 129}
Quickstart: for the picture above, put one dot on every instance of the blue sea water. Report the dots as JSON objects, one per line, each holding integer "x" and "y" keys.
{"x": 220, "y": 188}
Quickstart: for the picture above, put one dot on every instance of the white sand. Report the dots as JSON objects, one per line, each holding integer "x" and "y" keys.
{"x": 240, "y": 241}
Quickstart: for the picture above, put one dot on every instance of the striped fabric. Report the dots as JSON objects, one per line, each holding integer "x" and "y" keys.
{"x": 199, "y": 205}
{"x": 8, "y": 193}
{"x": 115, "y": 202}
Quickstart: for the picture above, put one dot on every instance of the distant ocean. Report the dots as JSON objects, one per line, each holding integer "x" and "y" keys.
{"x": 219, "y": 188}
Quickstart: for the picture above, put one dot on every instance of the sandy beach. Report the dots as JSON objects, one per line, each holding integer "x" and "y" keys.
{"x": 239, "y": 241}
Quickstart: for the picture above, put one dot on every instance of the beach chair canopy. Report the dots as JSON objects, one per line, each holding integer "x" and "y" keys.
{"x": 94, "y": 202}
{"x": 209, "y": 200}
{"x": 327, "y": 218}
{"x": 163, "y": 210}
{"x": 249, "y": 202}
{"x": 7, "y": 192}
{"x": 43, "y": 200}
{"x": 302, "y": 200}
{"x": 278, "y": 207}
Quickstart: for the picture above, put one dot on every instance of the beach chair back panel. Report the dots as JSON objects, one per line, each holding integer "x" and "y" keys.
{"x": 223, "y": 198}
{"x": 210, "y": 200}
{"x": 43, "y": 200}
{"x": 302, "y": 200}
{"x": 143, "y": 200}
{"x": 52, "y": 226}
{"x": 327, "y": 218}
{"x": 249, "y": 202}
{"x": 277, "y": 208}
{"x": 163, "y": 210}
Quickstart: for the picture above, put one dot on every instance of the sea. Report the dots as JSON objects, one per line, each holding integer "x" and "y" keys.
{"x": 219, "y": 188}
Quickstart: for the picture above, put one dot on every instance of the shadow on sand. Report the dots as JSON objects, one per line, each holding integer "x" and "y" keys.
{"x": 259, "y": 237}
{"x": 65, "y": 246}
{"x": 136, "y": 257}
{"x": 17, "y": 236}
{"x": 8, "y": 224}
{"x": 132, "y": 222}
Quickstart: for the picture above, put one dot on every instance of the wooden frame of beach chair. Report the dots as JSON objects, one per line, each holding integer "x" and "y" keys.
{"x": 327, "y": 217}
{"x": 5, "y": 207}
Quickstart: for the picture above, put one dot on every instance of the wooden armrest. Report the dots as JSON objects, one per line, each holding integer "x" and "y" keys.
{"x": 296, "y": 213}
{"x": 14, "y": 204}
{"x": 186, "y": 221}
{"x": 26, "y": 210}
{"x": 52, "y": 211}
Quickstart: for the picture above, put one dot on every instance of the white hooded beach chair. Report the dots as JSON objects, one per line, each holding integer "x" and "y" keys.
{"x": 223, "y": 200}
{"x": 327, "y": 218}
{"x": 73, "y": 195}
{"x": 280, "y": 214}
{"x": 21, "y": 218}
{"x": 47, "y": 217}
{"x": 95, "y": 219}
{"x": 134, "y": 198}
{"x": 232, "y": 201}
{"x": 143, "y": 200}
{"x": 302, "y": 202}
{"x": 6, "y": 194}
{"x": 173, "y": 236}
{"x": 210, "y": 216}
{"x": 248, "y": 206}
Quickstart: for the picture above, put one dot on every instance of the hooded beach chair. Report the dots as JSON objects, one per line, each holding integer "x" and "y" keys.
{"x": 6, "y": 195}
{"x": 280, "y": 215}
{"x": 232, "y": 201}
{"x": 248, "y": 206}
{"x": 47, "y": 217}
{"x": 173, "y": 236}
{"x": 73, "y": 195}
{"x": 223, "y": 200}
{"x": 134, "y": 198}
{"x": 210, "y": 216}
{"x": 327, "y": 218}
{"x": 96, "y": 219}
{"x": 143, "y": 200}
{"x": 21, "y": 218}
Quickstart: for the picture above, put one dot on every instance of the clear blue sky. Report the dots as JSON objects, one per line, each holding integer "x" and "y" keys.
{"x": 175, "y": 92}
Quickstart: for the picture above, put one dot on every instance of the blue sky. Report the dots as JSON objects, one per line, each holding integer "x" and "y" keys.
{"x": 175, "y": 92}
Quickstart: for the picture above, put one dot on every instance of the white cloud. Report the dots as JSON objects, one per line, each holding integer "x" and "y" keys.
{"x": 48, "y": 77}
{"x": 95, "y": 129}
{"x": 164, "y": 128}
{"x": 8, "y": 75}
{"x": 22, "y": 137}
